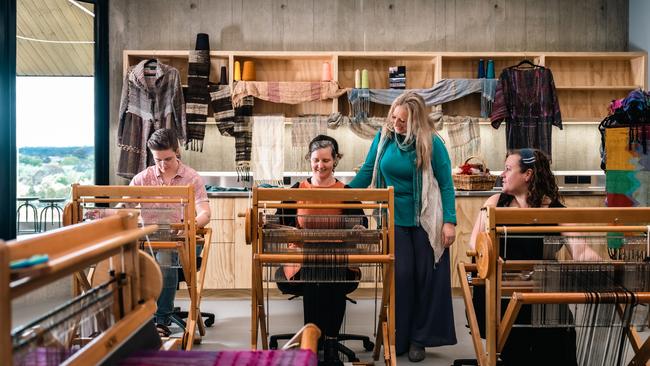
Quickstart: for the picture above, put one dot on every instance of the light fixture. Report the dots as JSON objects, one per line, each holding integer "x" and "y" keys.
{"x": 75, "y": 3}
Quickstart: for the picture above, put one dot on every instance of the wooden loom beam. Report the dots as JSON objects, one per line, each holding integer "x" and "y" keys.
{"x": 183, "y": 195}
{"x": 263, "y": 198}
{"x": 499, "y": 221}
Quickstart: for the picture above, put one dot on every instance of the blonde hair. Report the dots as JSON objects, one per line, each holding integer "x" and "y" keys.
{"x": 418, "y": 126}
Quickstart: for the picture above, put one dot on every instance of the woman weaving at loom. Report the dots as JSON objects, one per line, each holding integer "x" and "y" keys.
{"x": 529, "y": 182}
{"x": 323, "y": 302}
{"x": 170, "y": 171}
{"x": 425, "y": 220}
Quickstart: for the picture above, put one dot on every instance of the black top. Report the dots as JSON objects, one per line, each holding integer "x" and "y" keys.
{"x": 529, "y": 248}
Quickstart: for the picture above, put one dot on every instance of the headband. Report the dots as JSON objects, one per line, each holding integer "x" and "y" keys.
{"x": 527, "y": 156}
{"x": 335, "y": 144}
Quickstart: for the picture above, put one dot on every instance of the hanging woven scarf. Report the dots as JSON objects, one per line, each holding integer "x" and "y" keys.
{"x": 444, "y": 91}
{"x": 464, "y": 138}
{"x": 197, "y": 98}
{"x": 243, "y": 131}
{"x": 303, "y": 130}
{"x": 268, "y": 149}
{"x": 224, "y": 113}
{"x": 286, "y": 92}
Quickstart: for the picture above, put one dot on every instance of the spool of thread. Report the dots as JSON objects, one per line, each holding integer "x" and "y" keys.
{"x": 490, "y": 69}
{"x": 481, "y": 69}
{"x": 365, "y": 83}
{"x": 224, "y": 76}
{"x": 248, "y": 73}
{"x": 327, "y": 72}
{"x": 237, "y": 71}
{"x": 357, "y": 79}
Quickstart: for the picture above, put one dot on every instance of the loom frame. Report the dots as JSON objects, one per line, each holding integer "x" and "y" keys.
{"x": 273, "y": 198}
{"x": 73, "y": 213}
{"x": 71, "y": 249}
{"x": 498, "y": 221}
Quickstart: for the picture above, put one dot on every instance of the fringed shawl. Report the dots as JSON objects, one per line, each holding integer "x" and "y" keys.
{"x": 287, "y": 92}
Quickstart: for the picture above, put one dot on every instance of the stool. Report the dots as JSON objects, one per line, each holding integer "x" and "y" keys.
{"x": 52, "y": 207}
{"x": 27, "y": 206}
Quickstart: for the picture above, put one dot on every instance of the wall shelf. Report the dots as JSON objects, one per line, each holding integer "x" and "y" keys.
{"x": 586, "y": 81}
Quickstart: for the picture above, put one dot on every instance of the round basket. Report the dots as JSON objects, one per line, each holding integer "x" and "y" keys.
{"x": 475, "y": 182}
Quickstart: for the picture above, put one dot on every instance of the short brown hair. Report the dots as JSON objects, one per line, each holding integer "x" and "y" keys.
{"x": 163, "y": 139}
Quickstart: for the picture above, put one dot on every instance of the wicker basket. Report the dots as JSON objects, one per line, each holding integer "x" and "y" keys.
{"x": 464, "y": 182}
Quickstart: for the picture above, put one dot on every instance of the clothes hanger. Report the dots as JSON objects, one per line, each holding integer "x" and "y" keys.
{"x": 528, "y": 63}
{"x": 150, "y": 67}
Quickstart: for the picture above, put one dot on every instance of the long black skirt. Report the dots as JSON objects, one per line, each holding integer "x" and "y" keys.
{"x": 424, "y": 312}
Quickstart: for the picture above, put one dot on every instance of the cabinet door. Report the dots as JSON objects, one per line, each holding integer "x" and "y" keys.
{"x": 243, "y": 252}
{"x": 221, "y": 264}
{"x": 467, "y": 209}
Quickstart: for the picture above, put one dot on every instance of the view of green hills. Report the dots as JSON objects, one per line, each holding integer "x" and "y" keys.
{"x": 48, "y": 172}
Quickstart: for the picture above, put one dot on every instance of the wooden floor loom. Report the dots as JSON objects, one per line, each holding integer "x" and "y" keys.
{"x": 334, "y": 248}
{"x": 119, "y": 308}
{"x": 109, "y": 323}
{"x": 154, "y": 203}
{"x": 625, "y": 268}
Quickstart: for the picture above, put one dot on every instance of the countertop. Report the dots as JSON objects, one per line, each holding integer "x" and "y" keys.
{"x": 566, "y": 191}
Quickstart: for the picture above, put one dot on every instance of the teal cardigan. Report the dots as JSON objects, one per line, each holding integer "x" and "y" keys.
{"x": 397, "y": 168}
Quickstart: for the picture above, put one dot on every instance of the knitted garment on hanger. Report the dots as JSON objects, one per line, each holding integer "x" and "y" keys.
{"x": 146, "y": 106}
{"x": 527, "y": 100}
{"x": 268, "y": 150}
{"x": 197, "y": 98}
{"x": 287, "y": 92}
{"x": 303, "y": 130}
{"x": 464, "y": 138}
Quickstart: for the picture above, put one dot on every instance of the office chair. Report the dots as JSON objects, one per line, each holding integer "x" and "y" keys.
{"x": 295, "y": 292}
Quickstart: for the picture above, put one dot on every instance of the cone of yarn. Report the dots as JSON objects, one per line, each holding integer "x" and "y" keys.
{"x": 224, "y": 76}
{"x": 248, "y": 73}
{"x": 357, "y": 79}
{"x": 365, "y": 83}
{"x": 490, "y": 69}
{"x": 237, "y": 71}
{"x": 327, "y": 72}
{"x": 202, "y": 42}
{"x": 481, "y": 69}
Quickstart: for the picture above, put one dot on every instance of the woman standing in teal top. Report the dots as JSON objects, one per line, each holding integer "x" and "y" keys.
{"x": 409, "y": 155}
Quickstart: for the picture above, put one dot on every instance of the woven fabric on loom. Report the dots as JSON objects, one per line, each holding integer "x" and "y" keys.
{"x": 286, "y": 92}
{"x": 197, "y": 98}
{"x": 627, "y": 178}
{"x": 222, "y": 358}
{"x": 268, "y": 150}
{"x": 303, "y": 130}
{"x": 464, "y": 138}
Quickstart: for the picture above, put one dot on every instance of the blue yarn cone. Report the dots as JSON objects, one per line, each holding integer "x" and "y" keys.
{"x": 481, "y": 69}
{"x": 490, "y": 69}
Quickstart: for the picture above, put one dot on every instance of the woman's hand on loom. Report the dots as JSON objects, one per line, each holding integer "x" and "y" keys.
{"x": 448, "y": 234}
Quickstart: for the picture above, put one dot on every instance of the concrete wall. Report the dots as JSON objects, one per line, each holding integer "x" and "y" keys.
{"x": 405, "y": 25}
{"x": 639, "y": 26}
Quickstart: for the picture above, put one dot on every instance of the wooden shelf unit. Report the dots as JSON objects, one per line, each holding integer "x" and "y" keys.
{"x": 586, "y": 81}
